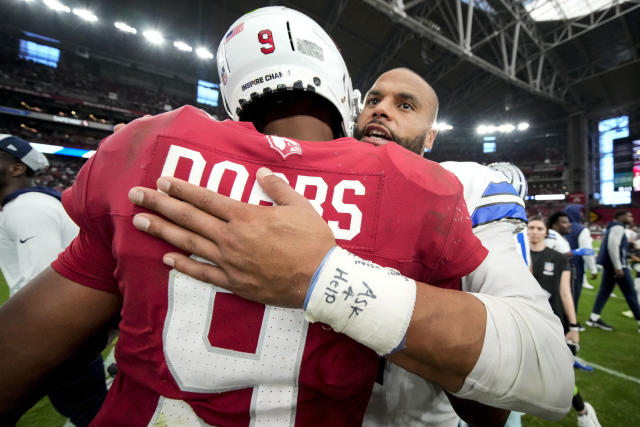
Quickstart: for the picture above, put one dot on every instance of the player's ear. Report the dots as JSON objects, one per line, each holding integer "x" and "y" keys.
{"x": 17, "y": 169}
{"x": 430, "y": 138}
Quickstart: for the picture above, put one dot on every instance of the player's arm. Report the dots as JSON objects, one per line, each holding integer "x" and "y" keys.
{"x": 444, "y": 333}
{"x": 567, "y": 304}
{"x": 477, "y": 414}
{"x": 445, "y": 338}
{"x": 523, "y": 350}
{"x": 586, "y": 241}
{"x": 613, "y": 246}
{"x": 42, "y": 325}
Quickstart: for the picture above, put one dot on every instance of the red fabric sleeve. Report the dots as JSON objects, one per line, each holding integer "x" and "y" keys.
{"x": 88, "y": 259}
{"x": 89, "y": 263}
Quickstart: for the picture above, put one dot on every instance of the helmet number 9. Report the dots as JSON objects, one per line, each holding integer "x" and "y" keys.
{"x": 265, "y": 37}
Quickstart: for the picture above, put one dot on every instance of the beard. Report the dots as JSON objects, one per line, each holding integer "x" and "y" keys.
{"x": 415, "y": 144}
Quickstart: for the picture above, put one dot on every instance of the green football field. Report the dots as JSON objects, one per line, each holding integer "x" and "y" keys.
{"x": 613, "y": 388}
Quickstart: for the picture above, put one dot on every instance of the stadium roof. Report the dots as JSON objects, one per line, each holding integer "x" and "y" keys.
{"x": 489, "y": 60}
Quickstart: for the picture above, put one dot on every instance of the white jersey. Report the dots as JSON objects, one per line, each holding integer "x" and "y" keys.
{"x": 557, "y": 242}
{"x": 490, "y": 198}
{"x": 498, "y": 215}
{"x": 34, "y": 229}
{"x": 488, "y": 194}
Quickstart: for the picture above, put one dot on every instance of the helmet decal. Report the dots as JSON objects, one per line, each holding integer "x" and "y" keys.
{"x": 276, "y": 48}
{"x": 235, "y": 30}
{"x": 514, "y": 175}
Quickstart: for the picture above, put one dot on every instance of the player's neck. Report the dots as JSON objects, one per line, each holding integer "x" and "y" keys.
{"x": 538, "y": 246}
{"x": 15, "y": 185}
{"x": 303, "y": 127}
{"x": 557, "y": 231}
{"x": 302, "y": 117}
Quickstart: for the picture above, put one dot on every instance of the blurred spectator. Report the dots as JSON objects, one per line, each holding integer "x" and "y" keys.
{"x": 558, "y": 226}
{"x": 61, "y": 173}
{"x": 34, "y": 229}
{"x": 70, "y": 83}
{"x": 615, "y": 270}
{"x": 581, "y": 244}
{"x": 551, "y": 270}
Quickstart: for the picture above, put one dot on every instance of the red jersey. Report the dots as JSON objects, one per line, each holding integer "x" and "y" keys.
{"x": 192, "y": 352}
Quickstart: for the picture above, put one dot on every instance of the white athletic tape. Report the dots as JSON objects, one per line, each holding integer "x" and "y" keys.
{"x": 371, "y": 304}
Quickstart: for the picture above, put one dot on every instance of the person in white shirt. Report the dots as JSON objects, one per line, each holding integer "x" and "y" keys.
{"x": 34, "y": 229}
{"x": 581, "y": 244}
{"x": 558, "y": 226}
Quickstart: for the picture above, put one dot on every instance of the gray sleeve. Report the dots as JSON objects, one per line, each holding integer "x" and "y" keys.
{"x": 524, "y": 364}
{"x": 613, "y": 245}
{"x": 586, "y": 241}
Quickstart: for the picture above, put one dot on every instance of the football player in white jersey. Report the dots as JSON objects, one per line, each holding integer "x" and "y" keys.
{"x": 495, "y": 199}
{"x": 558, "y": 225}
{"x": 523, "y": 346}
{"x": 517, "y": 179}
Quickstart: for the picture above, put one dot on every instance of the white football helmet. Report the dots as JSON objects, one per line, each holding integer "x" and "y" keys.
{"x": 276, "y": 48}
{"x": 514, "y": 175}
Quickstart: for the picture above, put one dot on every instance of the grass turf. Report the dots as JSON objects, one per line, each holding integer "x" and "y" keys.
{"x": 615, "y": 399}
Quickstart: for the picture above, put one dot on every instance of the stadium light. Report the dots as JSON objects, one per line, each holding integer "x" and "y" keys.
{"x": 506, "y": 128}
{"x": 204, "y": 53}
{"x": 443, "y": 126}
{"x": 182, "y": 46}
{"x": 125, "y": 28}
{"x": 503, "y": 128}
{"x": 153, "y": 36}
{"x": 85, "y": 14}
{"x": 57, "y": 6}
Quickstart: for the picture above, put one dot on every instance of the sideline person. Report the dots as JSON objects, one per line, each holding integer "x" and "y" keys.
{"x": 34, "y": 229}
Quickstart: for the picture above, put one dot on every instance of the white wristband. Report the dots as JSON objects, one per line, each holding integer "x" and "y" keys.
{"x": 371, "y": 304}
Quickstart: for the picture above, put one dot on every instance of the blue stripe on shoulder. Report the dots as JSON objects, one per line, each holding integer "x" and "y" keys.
{"x": 496, "y": 212}
{"x": 499, "y": 188}
{"x": 523, "y": 248}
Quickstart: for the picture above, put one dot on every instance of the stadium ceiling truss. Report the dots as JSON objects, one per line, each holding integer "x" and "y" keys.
{"x": 500, "y": 38}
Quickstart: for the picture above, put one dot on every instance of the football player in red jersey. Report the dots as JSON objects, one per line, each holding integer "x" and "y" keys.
{"x": 190, "y": 352}
{"x": 258, "y": 248}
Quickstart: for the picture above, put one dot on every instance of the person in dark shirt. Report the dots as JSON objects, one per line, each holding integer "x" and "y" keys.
{"x": 552, "y": 270}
